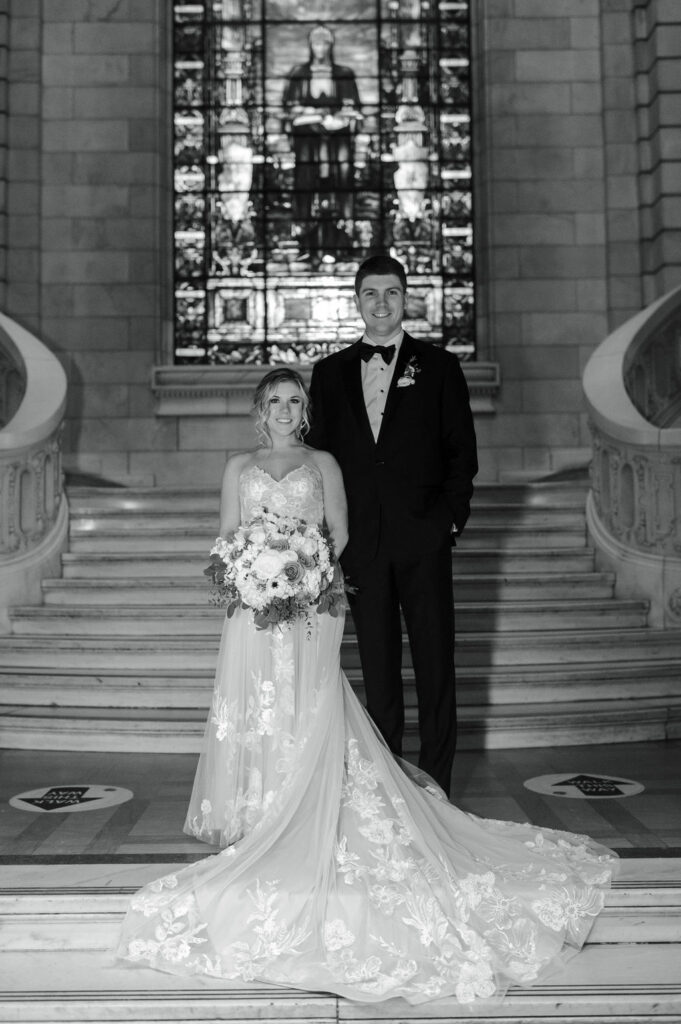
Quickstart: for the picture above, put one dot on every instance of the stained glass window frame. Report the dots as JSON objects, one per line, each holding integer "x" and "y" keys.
{"x": 271, "y": 310}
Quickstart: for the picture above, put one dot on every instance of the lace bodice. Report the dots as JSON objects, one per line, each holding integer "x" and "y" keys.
{"x": 299, "y": 493}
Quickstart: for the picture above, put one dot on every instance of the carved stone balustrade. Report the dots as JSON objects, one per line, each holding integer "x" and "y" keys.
{"x": 33, "y": 508}
{"x": 632, "y": 384}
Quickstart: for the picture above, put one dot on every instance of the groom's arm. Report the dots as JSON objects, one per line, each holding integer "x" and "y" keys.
{"x": 459, "y": 442}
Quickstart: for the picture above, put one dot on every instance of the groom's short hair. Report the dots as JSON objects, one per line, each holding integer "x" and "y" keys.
{"x": 382, "y": 263}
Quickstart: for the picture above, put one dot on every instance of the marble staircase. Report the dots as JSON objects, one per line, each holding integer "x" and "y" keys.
{"x": 120, "y": 653}
{"x": 58, "y": 926}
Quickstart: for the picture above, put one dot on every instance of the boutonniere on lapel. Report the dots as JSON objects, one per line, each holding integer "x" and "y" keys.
{"x": 409, "y": 374}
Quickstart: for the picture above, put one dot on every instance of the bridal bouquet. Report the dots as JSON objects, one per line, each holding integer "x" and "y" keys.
{"x": 278, "y": 566}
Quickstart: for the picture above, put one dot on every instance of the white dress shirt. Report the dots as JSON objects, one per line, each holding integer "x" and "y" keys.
{"x": 376, "y": 378}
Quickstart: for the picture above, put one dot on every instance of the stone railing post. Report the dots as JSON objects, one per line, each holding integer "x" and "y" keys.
{"x": 33, "y": 508}
{"x": 633, "y": 389}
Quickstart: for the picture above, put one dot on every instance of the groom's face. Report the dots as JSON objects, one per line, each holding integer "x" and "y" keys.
{"x": 380, "y": 303}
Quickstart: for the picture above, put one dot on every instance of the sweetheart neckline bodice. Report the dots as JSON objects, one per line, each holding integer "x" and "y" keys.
{"x": 299, "y": 493}
{"x": 296, "y": 469}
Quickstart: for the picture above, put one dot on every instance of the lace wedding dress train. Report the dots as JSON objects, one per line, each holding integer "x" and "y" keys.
{"x": 344, "y": 870}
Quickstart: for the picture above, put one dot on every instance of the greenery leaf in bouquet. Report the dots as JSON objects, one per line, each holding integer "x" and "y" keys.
{"x": 215, "y": 570}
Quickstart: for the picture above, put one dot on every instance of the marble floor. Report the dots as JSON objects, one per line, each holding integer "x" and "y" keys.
{"x": 148, "y": 826}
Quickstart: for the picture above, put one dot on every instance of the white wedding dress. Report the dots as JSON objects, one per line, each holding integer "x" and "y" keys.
{"x": 346, "y": 870}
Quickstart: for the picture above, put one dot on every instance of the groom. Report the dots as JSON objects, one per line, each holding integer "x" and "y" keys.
{"x": 395, "y": 413}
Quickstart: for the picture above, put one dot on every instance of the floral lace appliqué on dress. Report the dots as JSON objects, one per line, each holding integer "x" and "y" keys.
{"x": 258, "y": 721}
{"x": 346, "y": 871}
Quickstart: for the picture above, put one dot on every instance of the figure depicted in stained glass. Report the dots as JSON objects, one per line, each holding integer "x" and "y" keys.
{"x": 322, "y": 105}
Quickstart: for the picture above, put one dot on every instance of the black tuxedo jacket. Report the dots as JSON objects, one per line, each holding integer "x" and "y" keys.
{"x": 408, "y": 487}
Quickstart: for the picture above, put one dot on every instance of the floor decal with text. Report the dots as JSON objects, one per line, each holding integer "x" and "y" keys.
{"x": 71, "y": 798}
{"x": 583, "y": 786}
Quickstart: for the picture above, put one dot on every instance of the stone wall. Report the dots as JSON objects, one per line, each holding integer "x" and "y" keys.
{"x": 560, "y": 222}
{"x": 88, "y": 192}
{"x": 23, "y": 163}
{"x": 658, "y": 80}
{"x": 559, "y": 250}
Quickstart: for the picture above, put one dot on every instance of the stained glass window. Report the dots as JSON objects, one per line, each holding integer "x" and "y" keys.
{"x": 309, "y": 134}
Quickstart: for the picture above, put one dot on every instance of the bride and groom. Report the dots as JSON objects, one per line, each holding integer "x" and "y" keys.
{"x": 344, "y": 868}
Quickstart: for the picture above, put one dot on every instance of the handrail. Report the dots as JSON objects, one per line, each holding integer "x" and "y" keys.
{"x": 33, "y": 508}
{"x": 652, "y": 368}
{"x": 44, "y": 400}
{"x": 12, "y": 380}
{"x": 632, "y": 384}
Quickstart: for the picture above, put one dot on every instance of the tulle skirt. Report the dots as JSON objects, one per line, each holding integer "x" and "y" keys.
{"x": 346, "y": 870}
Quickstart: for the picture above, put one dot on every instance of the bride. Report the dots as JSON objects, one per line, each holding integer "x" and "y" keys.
{"x": 344, "y": 869}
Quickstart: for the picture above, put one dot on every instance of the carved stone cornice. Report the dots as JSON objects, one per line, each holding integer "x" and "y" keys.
{"x": 228, "y": 390}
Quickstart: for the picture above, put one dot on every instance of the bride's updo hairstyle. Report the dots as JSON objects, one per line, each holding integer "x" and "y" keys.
{"x": 264, "y": 391}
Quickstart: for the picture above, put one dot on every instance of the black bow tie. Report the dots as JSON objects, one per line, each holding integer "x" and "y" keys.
{"x": 386, "y": 352}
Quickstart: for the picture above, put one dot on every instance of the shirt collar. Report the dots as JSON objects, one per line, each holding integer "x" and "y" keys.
{"x": 394, "y": 339}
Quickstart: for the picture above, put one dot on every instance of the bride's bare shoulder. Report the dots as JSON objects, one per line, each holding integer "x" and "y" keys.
{"x": 321, "y": 459}
{"x": 243, "y": 458}
{"x": 237, "y": 462}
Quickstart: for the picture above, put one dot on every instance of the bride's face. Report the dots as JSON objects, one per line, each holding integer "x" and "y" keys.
{"x": 285, "y": 410}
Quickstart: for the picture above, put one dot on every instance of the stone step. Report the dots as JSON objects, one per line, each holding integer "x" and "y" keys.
{"x": 85, "y": 537}
{"x": 161, "y": 620}
{"x": 91, "y": 500}
{"x": 180, "y": 731}
{"x": 556, "y": 649}
{"x": 641, "y": 880}
{"x": 121, "y": 656}
{"x": 74, "y": 684}
{"x": 90, "y": 920}
{"x": 634, "y": 983}
{"x": 100, "y": 565}
{"x": 150, "y": 590}
{"x": 173, "y": 517}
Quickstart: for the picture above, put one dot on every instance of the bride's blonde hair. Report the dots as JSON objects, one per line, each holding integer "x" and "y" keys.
{"x": 264, "y": 391}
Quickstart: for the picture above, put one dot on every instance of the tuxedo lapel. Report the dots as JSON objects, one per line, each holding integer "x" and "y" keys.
{"x": 395, "y": 394}
{"x": 352, "y": 380}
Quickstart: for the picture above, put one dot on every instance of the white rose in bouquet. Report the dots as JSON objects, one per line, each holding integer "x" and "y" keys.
{"x": 257, "y": 535}
{"x": 221, "y": 547}
{"x": 308, "y": 546}
{"x": 268, "y": 564}
{"x": 312, "y": 581}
